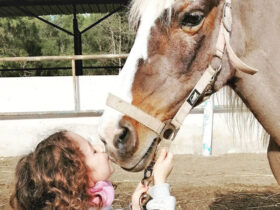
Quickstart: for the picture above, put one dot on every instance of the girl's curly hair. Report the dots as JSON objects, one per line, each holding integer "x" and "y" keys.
{"x": 54, "y": 176}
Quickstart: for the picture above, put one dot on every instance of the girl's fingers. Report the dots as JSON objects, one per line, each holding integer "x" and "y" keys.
{"x": 169, "y": 156}
{"x": 139, "y": 185}
{"x": 162, "y": 154}
{"x": 141, "y": 188}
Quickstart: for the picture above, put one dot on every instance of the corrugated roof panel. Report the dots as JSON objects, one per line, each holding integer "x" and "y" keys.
{"x": 9, "y": 10}
{"x": 54, "y": 7}
{"x": 69, "y": 9}
{"x": 80, "y": 8}
{"x": 40, "y": 10}
{"x": 106, "y": 8}
{"x": 97, "y": 7}
{"x": 110, "y": 6}
{"x": 19, "y": 11}
{"x": 103, "y": 8}
{"x": 90, "y": 8}
{"x": 59, "y": 9}
{"x": 84, "y": 8}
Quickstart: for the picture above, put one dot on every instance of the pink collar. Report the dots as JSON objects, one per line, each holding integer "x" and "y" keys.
{"x": 102, "y": 191}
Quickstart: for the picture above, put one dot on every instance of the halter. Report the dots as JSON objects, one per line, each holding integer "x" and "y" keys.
{"x": 167, "y": 131}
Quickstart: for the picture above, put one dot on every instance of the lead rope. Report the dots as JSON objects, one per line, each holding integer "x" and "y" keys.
{"x": 146, "y": 181}
{"x": 148, "y": 173}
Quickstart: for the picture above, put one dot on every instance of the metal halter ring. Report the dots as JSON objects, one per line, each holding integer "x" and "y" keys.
{"x": 169, "y": 131}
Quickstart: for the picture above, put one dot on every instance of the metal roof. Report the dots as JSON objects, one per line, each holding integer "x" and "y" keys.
{"x": 13, "y": 8}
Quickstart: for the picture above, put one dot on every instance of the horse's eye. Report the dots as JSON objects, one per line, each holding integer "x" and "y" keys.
{"x": 191, "y": 22}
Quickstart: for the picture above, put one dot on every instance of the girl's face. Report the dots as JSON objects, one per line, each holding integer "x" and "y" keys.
{"x": 98, "y": 164}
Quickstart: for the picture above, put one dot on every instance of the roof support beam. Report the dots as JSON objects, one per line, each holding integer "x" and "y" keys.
{"x": 100, "y": 20}
{"x": 45, "y": 21}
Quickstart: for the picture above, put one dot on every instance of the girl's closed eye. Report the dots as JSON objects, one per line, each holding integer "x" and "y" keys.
{"x": 92, "y": 148}
{"x": 98, "y": 148}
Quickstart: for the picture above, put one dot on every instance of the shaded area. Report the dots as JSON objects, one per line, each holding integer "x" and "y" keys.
{"x": 247, "y": 200}
{"x": 11, "y": 8}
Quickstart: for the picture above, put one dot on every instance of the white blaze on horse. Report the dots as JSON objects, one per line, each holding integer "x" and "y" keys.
{"x": 180, "y": 42}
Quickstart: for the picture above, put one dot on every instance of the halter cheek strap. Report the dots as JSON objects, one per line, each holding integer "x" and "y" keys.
{"x": 168, "y": 130}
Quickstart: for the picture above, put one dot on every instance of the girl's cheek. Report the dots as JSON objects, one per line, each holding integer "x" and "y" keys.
{"x": 112, "y": 167}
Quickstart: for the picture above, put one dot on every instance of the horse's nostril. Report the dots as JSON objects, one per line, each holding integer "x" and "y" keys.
{"x": 122, "y": 139}
{"x": 103, "y": 141}
{"x": 124, "y": 133}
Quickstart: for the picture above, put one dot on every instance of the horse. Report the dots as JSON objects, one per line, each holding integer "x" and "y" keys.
{"x": 176, "y": 42}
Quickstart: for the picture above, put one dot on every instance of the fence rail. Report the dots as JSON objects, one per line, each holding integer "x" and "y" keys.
{"x": 49, "y": 114}
{"x": 86, "y": 113}
{"x": 63, "y": 57}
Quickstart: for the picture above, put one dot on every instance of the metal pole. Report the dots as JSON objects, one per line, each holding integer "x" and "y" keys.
{"x": 77, "y": 44}
{"x": 207, "y": 127}
{"x": 76, "y": 87}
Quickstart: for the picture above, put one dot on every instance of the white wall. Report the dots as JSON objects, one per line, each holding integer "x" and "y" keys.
{"x": 56, "y": 94}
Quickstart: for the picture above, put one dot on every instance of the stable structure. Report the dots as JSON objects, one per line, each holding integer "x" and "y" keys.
{"x": 35, "y": 8}
{"x": 12, "y": 8}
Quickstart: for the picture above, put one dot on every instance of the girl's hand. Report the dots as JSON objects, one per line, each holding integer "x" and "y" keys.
{"x": 163, "y": 166}
{"x": 140, "y": 189}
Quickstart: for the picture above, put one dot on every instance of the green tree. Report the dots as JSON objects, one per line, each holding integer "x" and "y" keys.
{"x": 19, "y": 39}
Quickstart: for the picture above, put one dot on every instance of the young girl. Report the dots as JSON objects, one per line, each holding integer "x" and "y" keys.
{"x": 66, "y": 172}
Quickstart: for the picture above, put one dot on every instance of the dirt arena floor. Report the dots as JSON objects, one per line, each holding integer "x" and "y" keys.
{"x": 235, "y": 181}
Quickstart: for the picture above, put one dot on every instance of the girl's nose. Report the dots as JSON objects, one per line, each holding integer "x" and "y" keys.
{"x": 99, "y": 148}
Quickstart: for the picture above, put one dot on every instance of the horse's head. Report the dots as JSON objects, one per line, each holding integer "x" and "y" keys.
{"x": 175, "y": 42}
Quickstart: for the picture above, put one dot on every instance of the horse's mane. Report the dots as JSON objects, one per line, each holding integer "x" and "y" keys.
{"x": 240, "y": 119}
{"x": 138, "y": 7}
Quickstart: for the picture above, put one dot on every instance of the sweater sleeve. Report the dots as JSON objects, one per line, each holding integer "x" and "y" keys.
{"x": 161, "y": 198}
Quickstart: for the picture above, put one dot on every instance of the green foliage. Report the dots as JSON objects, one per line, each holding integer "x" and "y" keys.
{"x": 25, "y": 36}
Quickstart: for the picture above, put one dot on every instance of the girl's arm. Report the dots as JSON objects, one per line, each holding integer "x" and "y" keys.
{"x": 161, "y": 198}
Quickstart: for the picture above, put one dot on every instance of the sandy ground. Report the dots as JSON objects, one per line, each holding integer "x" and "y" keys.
{"x": 236, "y": 181}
